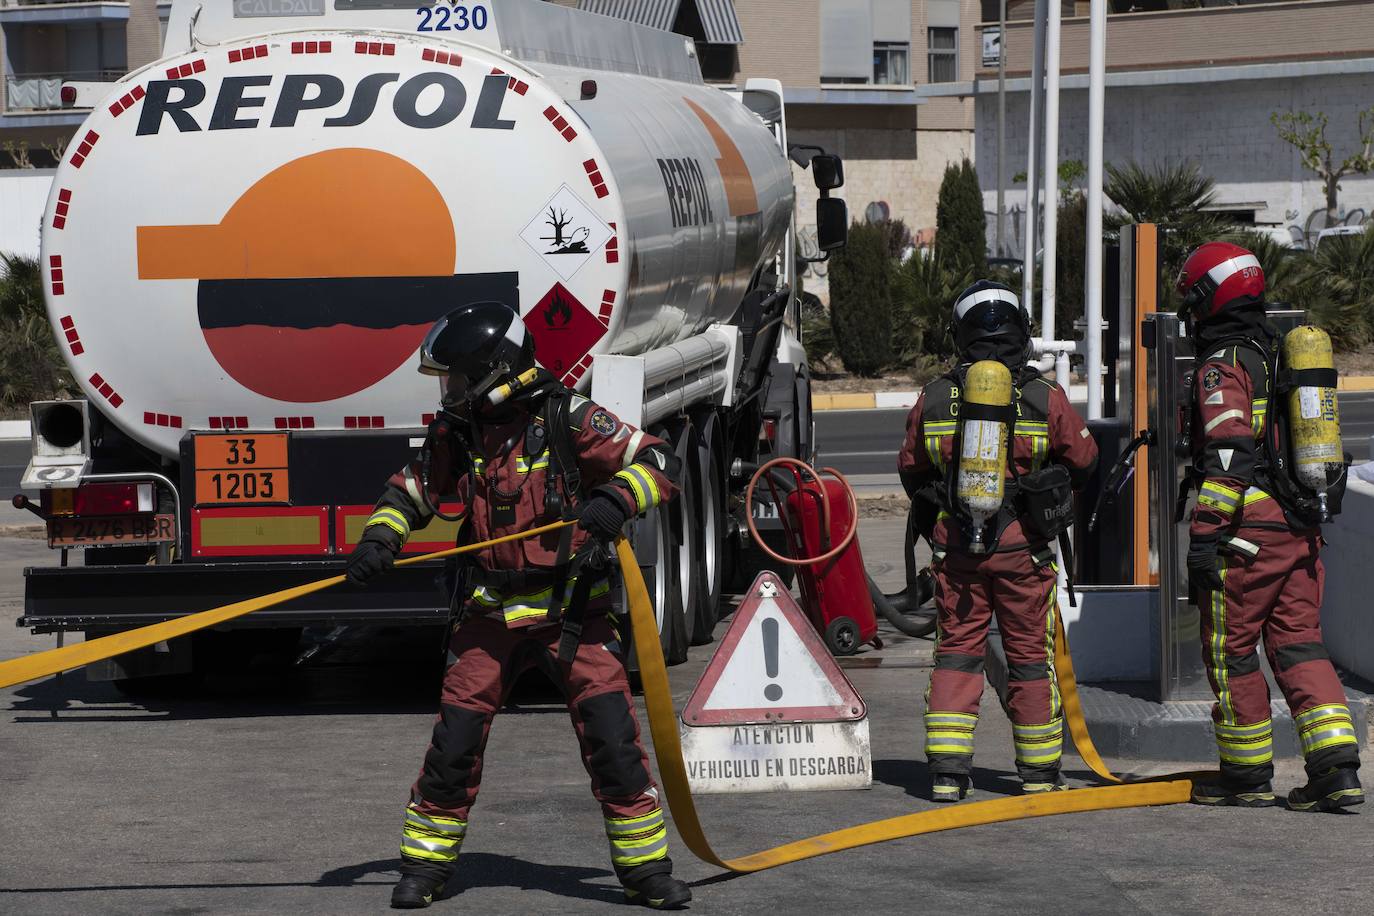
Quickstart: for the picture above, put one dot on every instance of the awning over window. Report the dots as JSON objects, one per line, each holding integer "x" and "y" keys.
{"x": 718, "y": 18}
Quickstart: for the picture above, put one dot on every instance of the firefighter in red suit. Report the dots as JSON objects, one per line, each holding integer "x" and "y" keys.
{"x": 519, "y": 450}
{"x": 1015, "y": 580}
{"x": 1253, "y": 559}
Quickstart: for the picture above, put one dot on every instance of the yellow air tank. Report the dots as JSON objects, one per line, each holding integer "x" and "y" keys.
{"x": 1314, "y": 424}
{"x": 983, "y": 454}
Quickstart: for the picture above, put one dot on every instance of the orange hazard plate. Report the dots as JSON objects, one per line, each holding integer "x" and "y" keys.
{"x": 242, "y": 468}
{"x": 113, "y": 529}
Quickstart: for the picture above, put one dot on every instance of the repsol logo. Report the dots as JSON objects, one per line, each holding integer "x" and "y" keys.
{"x": 425, "y": 101}
{"x": 688, "y": 200}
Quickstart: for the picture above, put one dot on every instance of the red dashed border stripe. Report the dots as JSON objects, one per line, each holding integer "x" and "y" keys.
{"x": 83, "y": 150}
{"x": 294, "y": 422}
{"x": 64, "y": 204}
{"x": 228, "y": 422}
{"x": 613, "y": 246}
{"x": 127, "y": 101}
{"x": 594, "y": 175}
{"x": 519, "y": 86}
{"x": 73, "y": 338}
{"x": 560, "y": 124}
{"x": 185, "y": 70}
{"x": 452, "y": 58}
{"x": 161, "y": 419}
{"x": 312, "y": 47}
{"x": 576, "y": 373}
{"x": 254, "y": 52}
{"x": 607, "y": 305}
{"x": 384, "y": 49}
{"x": 426, "y": 419}
{"x": 106, "y": 392}
{"x": 364, "y": 422}
{"x": 55, "y": 274}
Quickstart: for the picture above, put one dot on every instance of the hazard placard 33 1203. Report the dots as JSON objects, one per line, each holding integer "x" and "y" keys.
{"x": 772, "y": 711}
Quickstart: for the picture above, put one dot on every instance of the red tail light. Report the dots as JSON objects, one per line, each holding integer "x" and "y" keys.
{"x": 68, "y": 95}
{"x": 769, "y": 432}
{"x": 100, "y": 499}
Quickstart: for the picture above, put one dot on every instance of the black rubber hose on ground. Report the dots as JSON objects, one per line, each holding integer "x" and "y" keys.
{"x": 899, "y": 608}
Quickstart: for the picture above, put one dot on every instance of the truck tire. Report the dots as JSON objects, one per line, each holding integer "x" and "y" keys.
{"x": 711, "y": 525}
{"x": 690, "y": 547}
{"x": 654, "y": 535}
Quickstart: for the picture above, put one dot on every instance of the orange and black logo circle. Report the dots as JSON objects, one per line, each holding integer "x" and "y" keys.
{"x": 322, "y": 278}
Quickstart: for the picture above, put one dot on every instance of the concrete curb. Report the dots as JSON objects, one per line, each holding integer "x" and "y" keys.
{"x": 889, "y": 400}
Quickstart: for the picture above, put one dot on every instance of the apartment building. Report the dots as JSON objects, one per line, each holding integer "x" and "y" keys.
{"x": 1198, "y": 80}
{"x": 43, "y": 43}
{"x": 852, "y": 72}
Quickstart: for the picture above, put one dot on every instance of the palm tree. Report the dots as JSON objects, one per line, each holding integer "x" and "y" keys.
{"x": 31, "y": 367}
{"x": 1342, "y": 268}
{"x": 1172, "y": 195}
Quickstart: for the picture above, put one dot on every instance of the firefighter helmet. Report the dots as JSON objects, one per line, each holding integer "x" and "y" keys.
{"x": 1218, "y": 276}
{"x": 989, "y": 322}
{"x": 477, "y": 340}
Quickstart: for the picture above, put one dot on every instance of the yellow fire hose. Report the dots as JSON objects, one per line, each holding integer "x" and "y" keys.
{"x": 658, "y": 699}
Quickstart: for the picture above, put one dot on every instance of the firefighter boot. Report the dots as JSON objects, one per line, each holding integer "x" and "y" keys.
{"x": 1224, "y": 793}
{"x": 1338, "y": 787}
{"x": 659, "y": 891}
{"x": 1042, "y": 785}
{"x": 415, "y": 892}
{"x": 947, "y": 788}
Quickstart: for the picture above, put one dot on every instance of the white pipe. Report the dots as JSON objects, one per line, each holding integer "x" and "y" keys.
{"x": 1033, "y": 134}
{"x": 1092, "y": 294}
{"x": 1051, "y": 170}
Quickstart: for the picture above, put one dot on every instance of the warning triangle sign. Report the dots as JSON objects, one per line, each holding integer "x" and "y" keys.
{"x": 772, "y": 667}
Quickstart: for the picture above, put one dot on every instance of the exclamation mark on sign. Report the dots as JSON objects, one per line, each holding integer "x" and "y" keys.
{"x": 770, "y": 658}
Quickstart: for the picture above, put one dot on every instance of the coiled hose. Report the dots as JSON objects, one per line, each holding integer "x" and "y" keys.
{"x": 899, "y": 609}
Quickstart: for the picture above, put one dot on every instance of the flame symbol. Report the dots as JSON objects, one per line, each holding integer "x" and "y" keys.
{"x": 559, "y": 313}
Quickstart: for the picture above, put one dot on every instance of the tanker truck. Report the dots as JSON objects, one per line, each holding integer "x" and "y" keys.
{"x": 247, "y": 240}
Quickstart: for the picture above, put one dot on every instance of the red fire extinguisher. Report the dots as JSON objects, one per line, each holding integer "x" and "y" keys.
{"x": 820, "y": 520}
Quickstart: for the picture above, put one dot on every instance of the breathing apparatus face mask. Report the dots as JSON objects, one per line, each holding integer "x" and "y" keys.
{"x": 993, "y": 330}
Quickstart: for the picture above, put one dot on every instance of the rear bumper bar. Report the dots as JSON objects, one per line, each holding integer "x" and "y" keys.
{"x": 123, "y": 597}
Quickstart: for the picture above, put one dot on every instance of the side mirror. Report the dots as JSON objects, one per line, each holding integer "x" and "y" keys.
{"x": 827, "y": 171}
{"x": 832, "y": 223}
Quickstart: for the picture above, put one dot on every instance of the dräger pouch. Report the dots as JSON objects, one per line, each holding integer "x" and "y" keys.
{"x": 1046, "y": 502}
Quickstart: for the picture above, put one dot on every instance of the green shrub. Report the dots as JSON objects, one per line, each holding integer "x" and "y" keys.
{"x": 861, "y": 300}
{"x": 31, "y": 366}
{"x": 961, "y": 230}
{"x": 926, "y": 288}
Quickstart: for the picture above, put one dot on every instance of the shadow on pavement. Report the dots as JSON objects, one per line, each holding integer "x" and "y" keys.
{"x": 913, "y": 776}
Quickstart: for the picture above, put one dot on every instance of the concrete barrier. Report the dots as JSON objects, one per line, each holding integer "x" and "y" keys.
{"x": 1347, "y": 610}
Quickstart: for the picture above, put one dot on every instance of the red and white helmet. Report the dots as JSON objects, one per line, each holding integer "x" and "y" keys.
{"x": 1217, "y": 275}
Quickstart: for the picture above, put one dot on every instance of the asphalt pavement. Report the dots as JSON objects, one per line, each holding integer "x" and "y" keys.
{"x": 265, "y": 793}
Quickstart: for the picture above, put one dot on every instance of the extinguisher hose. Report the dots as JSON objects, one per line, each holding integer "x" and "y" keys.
{"x": 899, "y": 608}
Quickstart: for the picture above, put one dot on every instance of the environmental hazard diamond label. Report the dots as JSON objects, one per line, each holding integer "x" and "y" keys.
{"x": 566, "y": 233}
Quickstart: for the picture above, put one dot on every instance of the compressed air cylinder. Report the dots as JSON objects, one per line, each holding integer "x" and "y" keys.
{"x": 983, "y": 454}
{"x": 1314, "y": 424}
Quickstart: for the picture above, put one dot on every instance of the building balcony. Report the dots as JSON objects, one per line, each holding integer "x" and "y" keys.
{"x": 59, "y": 12}
{"x": 1220, "y": 36}
{"x": 42, "y": 92}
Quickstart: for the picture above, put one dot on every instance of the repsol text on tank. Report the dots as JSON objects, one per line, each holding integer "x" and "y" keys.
{"x": 688, "y": 201}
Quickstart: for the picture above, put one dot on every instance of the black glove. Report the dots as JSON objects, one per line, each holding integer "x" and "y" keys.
{"x": 603, "y": 516}
{"x": 1204, "y": 566}
{"x": 372, "y": 557}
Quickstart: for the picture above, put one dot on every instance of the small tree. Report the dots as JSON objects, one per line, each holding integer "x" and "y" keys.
{"x": 961, "y": 228}
{"x": 1307, "y": 133}
{"x": 861, "y": 300}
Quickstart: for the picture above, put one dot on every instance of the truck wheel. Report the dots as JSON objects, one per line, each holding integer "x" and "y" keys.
{"x": 690, "y": 549}
{"x": 661, "y": 579}
{"x": 712, "y": 529}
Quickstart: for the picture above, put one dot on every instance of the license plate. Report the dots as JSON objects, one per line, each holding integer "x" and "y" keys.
{"x": 113, "y": 529}
{"x": 246, "y": 468}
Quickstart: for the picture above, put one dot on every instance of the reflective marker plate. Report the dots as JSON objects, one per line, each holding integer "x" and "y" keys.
{"x": 242, "y": 469}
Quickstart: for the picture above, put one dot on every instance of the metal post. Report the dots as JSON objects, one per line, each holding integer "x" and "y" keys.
{"x": 1051, "y": 170}
{"x": 1033, "y": 135}
{"x": 1092, "y": 294}
{"x": 1001, "y": 127}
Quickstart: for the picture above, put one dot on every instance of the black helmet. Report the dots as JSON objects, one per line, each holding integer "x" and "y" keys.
{"x": 484, "y": 342}
{"x": 990, "y": 323}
